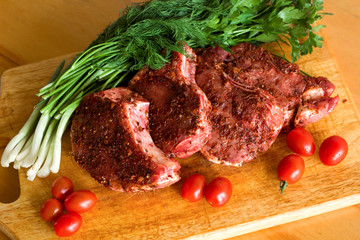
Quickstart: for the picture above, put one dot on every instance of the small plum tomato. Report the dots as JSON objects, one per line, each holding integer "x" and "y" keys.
{"x": 290, "y": 170}
{"x": 51, "y": 209}
{"x": 218, "y": 192}
{"x": 333, "y": 150}
{"x": 193, "y": 188}
{"x": 67, "y": 224}
{"x": 61, "y": 188}
{"x": 80, "y": 201}
{"x": 300, "y": 141}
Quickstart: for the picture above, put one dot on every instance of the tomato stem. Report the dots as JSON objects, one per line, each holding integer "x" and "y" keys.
{"x": 283, "y": 185}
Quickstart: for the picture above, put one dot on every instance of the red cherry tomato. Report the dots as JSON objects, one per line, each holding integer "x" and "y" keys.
{"x": 193, "y": 187}
{"x": 290, "y": 170}
{"x": 51, "y": 209}
{"x": 68, "y": 224}
{"x": 333, "y": 150}
{"x": 61, "y": 188}
{"x": 301, "y": 142}
{"x": 80, "y": 201}
{"x": 218, "y": 192}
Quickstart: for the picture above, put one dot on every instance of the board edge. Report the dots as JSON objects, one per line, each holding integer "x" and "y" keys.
{"x": 277, "y": 220}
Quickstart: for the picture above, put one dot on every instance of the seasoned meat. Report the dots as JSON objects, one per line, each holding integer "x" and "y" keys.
{"x": 254, "y": 95}
{"x": 299, "y": 95}
{"x": 179, "y": 109}
{"x": 244, "y": 120}
{"x": 111, "y": 140}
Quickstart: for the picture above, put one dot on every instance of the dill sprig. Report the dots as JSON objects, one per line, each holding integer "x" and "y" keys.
{"x": 147, "y": 34}
{"x": 146, "y": 29}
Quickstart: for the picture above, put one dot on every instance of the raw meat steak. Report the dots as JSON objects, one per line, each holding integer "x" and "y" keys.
{"x": 111, "y": 140}
{"x": 245, "y": 121}
{"x": 179, "y": 109}
{"x": 304, "y": 99}
{"x": 271, "y": 95}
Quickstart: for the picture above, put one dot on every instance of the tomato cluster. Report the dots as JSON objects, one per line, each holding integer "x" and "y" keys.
{"x": 291, "y": 168}
{"x": 75, "y": 203}
{"x": 217, "y": 193}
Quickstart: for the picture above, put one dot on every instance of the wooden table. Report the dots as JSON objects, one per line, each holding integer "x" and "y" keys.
{"x": 31, "y": 31}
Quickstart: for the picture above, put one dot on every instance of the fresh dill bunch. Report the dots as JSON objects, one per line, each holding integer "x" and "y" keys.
{"x": 144, "y": 30}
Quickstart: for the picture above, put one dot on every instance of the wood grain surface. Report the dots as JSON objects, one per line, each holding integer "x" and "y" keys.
{"x": 39, "y": 30}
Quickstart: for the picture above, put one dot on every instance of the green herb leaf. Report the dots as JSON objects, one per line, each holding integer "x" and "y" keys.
{"x": 289, "y": 14}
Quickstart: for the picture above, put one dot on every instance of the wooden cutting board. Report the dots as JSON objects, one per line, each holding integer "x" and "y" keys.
{"x": 256, "y": 202}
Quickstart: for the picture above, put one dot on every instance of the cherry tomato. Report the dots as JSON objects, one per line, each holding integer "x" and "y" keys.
{"x": 51, "y": 209}
{"x": 218, "y": 192}
{"x": 193, "y": 187}
{"x": 80, "y": 201}
{"x": 68, "y": 224}
{"x": 301, "y": 142}
{"x": 290, "y": 170}
{"x": 61, "y": 188}
{"x": 333, "y": 150}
